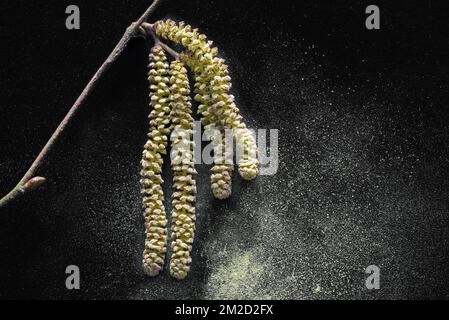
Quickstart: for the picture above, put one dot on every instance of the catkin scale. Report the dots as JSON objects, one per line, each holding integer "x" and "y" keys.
{"x": 213, "y": 88}
{"x": 155, "y": 147}
{"x": 184, "y": 187}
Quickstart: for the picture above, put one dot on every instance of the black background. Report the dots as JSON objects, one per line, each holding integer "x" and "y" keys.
{"x": 363, "y": 173}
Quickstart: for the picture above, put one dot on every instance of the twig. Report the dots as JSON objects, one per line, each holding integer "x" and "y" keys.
{"x": 149, "y": 29}
{"x": 28, "y": 182}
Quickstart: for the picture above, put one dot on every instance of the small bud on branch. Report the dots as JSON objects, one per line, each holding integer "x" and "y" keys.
{"x": 33, "y": 183}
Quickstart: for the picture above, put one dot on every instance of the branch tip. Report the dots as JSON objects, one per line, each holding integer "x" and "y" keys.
{"x": 33, "y": 183}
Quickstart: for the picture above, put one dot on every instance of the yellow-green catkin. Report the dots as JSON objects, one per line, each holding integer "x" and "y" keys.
{"x": 221, "y": 177}
{"x": 155, "y": 147}
{"x": 213, "y": 87}
{"x": 183, "y": 165}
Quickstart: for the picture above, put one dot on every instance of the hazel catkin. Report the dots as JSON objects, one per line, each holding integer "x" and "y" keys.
{"x": 182, "y": 162}
{"x": 155, "y": 147}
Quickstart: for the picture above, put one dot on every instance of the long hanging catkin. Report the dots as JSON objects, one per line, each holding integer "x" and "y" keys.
{"x": 155, "y": 147}
{"x": 184, "y": 188}
{"x": 221, "y": 177}
{"x": 213, "y": 92}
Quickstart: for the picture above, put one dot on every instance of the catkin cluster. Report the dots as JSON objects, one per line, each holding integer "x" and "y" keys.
{"x": 171, "y": 112}
{"x": 155, "y": 147}
{"x": 217, "y": 105}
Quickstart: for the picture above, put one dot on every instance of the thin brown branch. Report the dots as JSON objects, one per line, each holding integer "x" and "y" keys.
{"x": 149, "y": 29}
{"x": 28, "y": 182}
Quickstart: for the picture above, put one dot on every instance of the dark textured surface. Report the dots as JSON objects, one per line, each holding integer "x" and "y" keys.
{"x": 363, "y": 173}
